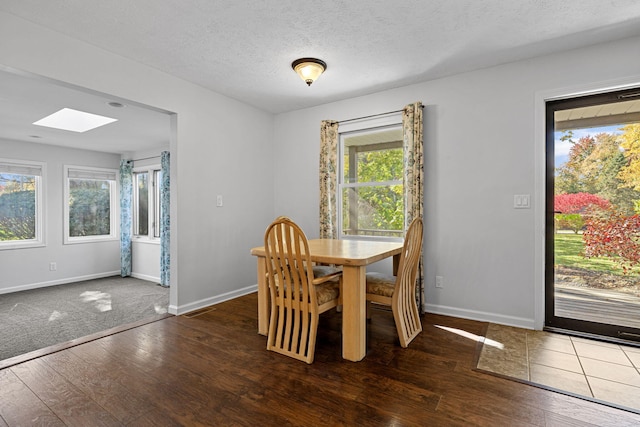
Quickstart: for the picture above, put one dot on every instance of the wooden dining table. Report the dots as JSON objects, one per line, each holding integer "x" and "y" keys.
{"x": 354, "y": 256}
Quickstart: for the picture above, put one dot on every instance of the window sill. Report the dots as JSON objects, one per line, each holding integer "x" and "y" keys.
{"x": 372, "y": 238}
{"x": 146, "y": 240}
{"x": 81, "y": 240}
{"x": 15, "y": 244}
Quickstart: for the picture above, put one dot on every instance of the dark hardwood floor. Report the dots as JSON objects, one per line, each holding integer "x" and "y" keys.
{"x": 213, "y": 369}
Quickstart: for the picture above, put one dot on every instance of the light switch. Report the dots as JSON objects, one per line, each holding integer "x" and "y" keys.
{"x": 521, "y": 201}
{"x": 219, "y": 201}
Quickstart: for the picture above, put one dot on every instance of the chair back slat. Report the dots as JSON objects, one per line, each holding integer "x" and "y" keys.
{"x": 294, "y": 307}
{"x": 404, "y": 296}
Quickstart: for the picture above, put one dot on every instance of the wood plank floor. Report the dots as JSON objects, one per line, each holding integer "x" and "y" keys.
{"x": 598, "y": 305}
{"x": 213, "y": 370}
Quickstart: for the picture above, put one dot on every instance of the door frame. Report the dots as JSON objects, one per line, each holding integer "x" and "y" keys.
{"x": 539, "y": 202}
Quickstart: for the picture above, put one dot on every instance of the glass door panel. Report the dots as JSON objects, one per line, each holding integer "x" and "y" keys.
{"x": 593, "y": 215}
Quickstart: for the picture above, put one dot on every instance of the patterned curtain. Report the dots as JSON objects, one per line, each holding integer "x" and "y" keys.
{"x": 328, "y": 179}
{"x": 414, "y": 177}
{"x": 126, "y": 195}
{"x": 165, "y": 237}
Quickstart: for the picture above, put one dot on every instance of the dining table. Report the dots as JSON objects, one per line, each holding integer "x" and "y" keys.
{"x": 353, "y": 257}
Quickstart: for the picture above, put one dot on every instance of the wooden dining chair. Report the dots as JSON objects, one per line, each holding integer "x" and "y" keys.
{"x": 399, "y": 291}
{"x": 297, "y": 297}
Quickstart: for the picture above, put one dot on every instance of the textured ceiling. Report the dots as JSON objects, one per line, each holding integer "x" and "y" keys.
{"x": 244, "y": 49}
{"x": 25, "y": 99}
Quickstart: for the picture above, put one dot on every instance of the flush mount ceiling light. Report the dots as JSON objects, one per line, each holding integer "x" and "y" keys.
{"x": 309, "y": 69}
{"x": 74, "y": 120}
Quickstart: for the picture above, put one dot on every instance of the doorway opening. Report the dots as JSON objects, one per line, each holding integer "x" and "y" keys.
{"x": 592, "y": 274}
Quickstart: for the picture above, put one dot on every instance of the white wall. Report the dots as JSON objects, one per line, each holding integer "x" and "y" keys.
{"x": 220, "y": 146}
{"x": 28, "y": 268}
{"x": 483, "y": 145}
{"x": 145, "y": 259}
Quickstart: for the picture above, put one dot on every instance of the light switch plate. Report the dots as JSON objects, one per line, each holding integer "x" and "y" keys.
{"x": 521, "y": 201}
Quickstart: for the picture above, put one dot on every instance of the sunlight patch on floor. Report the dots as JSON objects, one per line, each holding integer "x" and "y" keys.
{"x": 473, "y": 337}
{"x": 101, "y": 300}
{"x": 56, "y": 315}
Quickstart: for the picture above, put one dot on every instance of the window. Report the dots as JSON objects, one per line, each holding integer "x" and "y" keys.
{"x": 157, "y": 180}
{"x": 141, "y": 203}
{"x": 371, "y": 183}
{"x": 146, "y": 202}
{"x": 90, "y": 208}
{"x": 21, "y": 207}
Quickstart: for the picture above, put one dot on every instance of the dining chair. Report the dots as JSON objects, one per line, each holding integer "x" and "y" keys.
{"x": 297, "y": 296}
{"x": 399, "y": 291}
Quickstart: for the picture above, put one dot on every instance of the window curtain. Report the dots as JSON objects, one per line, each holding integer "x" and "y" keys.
{"x": 328, "y": 179}
{"x": 165, "y": 236}
{"x": 126, "y": 195}
{"x": 414, "y": 178}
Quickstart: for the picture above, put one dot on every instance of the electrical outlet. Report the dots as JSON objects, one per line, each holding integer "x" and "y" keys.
{"x": 439, "y": 281}
{"x": 53, "y": 266}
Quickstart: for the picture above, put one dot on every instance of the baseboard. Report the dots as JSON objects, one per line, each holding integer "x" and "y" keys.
{"x": 145, "y": 277}
{"x": 58, "y": 282}
{"x": 482, "y": 316}
{"x": 196, "y": 305}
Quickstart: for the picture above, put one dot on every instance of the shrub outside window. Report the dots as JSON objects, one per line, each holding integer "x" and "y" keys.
{"x": 91, "y": 207}
{"x": 21, "y": 208}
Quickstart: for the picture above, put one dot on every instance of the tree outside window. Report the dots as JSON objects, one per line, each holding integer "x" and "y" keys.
{"x": 91, "y": 207}
{"x": 21, "y": 204}
{"x": 17, "y": 207}
{"x": 372, "y": 188}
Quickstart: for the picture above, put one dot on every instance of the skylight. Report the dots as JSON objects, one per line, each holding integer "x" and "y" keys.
{"x": 74, "y": 120}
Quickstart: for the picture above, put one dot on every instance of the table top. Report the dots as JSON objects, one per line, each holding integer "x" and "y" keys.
{"x": 346, "y": 252}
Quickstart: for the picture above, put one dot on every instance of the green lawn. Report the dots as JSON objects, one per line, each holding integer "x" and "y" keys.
{"x": 569, "y": 250}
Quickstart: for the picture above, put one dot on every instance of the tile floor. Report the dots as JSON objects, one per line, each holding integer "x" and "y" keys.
{"x": 594, "y": 369}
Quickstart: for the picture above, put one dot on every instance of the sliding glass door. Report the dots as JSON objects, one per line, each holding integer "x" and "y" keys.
{"x": 593, "y": 215}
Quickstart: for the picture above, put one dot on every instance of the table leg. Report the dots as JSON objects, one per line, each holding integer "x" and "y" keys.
{"x": 354, "y": 313}
{"x": 396, "y": 264}
{"x": 263, "y": 298}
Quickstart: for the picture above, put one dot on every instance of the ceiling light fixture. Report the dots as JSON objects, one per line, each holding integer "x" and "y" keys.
{"x": 309, "y": 69}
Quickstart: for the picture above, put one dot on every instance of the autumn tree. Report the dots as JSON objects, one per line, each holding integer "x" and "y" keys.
{"x": 595, "y": 166}
{"x": 578, "y": 202}
{"x": 571, "y": 208}
{"x": 630, "y": 142}
{"x": 570, "y": 177}
{"x": 610, "y": 233}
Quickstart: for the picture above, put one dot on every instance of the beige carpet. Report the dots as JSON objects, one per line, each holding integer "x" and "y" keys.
{"x": 38, "y": 318}
{"x": 602, "y": 372}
